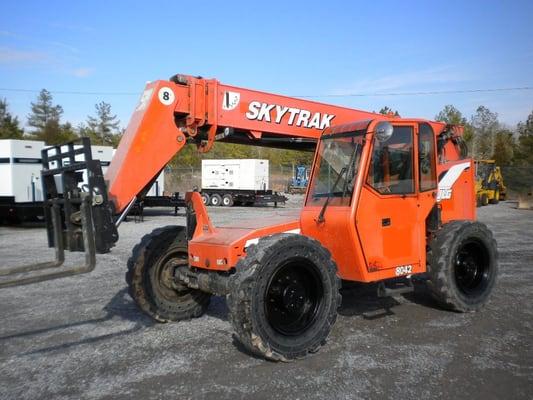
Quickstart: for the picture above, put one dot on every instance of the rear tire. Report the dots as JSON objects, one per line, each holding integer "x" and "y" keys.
{"x": 216, "y": 200}
{"x": 462, "y": 265}
{"x": 284, "y": 297}
{"x": 496, "y": 198}
{"x": 150, "y": 277}
{"x": 227, "y": 200}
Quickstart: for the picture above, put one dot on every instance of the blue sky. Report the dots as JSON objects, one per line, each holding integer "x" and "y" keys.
{"x": 292, "y": 48}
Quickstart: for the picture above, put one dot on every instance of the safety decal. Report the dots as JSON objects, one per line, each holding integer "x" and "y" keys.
{"x": 447, "y": 181}
{"x": 144, "y": 100}
{"x": 166, "y": 96}
{"x": 230, "y": 100}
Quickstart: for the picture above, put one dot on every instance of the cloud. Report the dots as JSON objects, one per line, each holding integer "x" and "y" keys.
{"x": 405, "y": 80}
{"x": 13, "y": 56}
{"x": 65, "y": 46}
{"x": 82, "y": 72}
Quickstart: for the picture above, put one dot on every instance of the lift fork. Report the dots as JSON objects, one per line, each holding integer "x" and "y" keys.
{"x": 78, "y": 215}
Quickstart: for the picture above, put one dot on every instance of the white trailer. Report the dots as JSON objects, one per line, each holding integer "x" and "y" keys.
{"x": 21, "y": 193}
{"x": 237, "y": 181}
{"x": 20, "y": 179}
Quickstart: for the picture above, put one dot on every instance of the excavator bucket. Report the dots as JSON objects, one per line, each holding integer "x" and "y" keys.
{"x": 77, "y": 213}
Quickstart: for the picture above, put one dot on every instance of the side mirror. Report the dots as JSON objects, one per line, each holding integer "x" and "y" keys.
{"x": 384, "y": 131}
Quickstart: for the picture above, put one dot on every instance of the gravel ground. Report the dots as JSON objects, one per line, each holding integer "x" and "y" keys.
{"x": 82, "y": 337}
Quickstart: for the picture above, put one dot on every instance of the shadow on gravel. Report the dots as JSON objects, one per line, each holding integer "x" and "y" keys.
{"x": 423, "y": 297}
{"x": 218, "y": 308}
{"x": 359, "y": 299}
{"x": 120, "y": 306}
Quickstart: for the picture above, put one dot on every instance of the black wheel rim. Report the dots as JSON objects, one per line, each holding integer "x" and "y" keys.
{"x": 163, "y": 284}
{"x": 472, "y": 268}
{"x": 294, "y": 295}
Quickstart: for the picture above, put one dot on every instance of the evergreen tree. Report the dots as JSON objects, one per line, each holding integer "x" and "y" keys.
{"x": 389, "y": 111}
{"x": 45, "y": 119}
{"x": 524, "y": 148}
{"x": 503, "y": 147}
{"x": 103, "y": 128}
{"x": 9, "y": 125}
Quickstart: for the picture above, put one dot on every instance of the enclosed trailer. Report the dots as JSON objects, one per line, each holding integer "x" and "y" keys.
{"x": 237, "y": 181}
{"x": 20, "y": 179}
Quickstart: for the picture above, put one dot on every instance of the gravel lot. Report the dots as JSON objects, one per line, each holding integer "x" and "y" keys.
{"x": 82, "y": 337}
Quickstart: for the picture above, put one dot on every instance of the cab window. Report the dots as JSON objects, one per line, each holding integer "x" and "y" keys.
{"x": 391, "y": 167}
{"x": 426, "y": 158}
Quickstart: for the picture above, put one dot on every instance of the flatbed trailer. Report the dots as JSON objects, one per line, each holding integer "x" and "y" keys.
{"x": 237, "y": 197}
{"x": 11, "y": 211}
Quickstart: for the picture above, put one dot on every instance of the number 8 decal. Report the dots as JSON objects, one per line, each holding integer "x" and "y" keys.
{"x": 166, "y": 96}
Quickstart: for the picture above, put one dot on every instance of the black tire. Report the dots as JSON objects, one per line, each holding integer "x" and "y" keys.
{"x": 300, "y": 280}
{"x": 496, "y": 198}
{"x": 462, "y": 265}
{"x": 205, "y": 199}
{"x": 149, "y": 277}
{"x": 484, "y": 199}
{"x": 227, "y": 200}
{"x": 216, "y": 200}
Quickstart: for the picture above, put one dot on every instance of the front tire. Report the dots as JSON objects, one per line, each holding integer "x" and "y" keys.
{"x": 284, "y": 297}
{"x": 462, "y": 266}
{"x": 205, "y": 199}
{"x": 150, "y": 277}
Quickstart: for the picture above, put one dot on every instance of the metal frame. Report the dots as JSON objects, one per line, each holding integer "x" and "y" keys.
{"x": 90, "y": 252}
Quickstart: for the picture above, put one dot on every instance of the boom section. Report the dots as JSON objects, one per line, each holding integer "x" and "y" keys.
{"x": 186, "y": 109}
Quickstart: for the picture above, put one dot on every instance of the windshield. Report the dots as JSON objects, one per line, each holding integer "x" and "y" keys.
{"x": 336, "y": 168}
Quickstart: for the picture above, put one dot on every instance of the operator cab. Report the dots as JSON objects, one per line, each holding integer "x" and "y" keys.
{"x": 372, "y": 186}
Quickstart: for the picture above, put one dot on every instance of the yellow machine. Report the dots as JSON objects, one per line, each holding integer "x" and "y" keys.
{"x": 489, "y": 183}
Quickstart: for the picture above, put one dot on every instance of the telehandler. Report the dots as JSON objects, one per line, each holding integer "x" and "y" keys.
{"x": 389, "y": 199}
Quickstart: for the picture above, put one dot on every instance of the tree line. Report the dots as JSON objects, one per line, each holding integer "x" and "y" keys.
{"x": 485, "y": 135}
{"x": 488, "y": 138}
{"x": 45, "y": 123}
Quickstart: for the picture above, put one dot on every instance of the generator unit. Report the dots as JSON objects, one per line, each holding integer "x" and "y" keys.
{"x": 237, "y": 182}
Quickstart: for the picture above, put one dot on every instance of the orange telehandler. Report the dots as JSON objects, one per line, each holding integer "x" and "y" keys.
{"x": 389, "y": 199}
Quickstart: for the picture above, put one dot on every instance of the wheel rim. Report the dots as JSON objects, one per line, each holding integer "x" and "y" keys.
{"x": 472, "y": 268}
{"x": 294, "y": 295}
{"x": 214, "y": 201}
{"x": 225, "y": 201}
{"x": 163, "y": 283}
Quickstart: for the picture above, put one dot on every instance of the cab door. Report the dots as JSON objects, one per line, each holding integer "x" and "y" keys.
{"x": 388, "y": 218}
